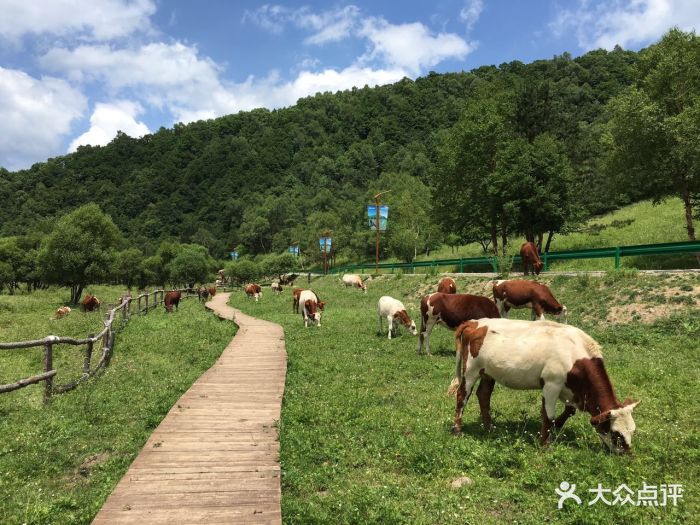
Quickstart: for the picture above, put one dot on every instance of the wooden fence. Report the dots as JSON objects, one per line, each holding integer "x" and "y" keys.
{"x": 105, "y": 339}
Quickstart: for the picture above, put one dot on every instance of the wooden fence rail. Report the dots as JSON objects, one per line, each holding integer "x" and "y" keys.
{"x": 105, "y": 338}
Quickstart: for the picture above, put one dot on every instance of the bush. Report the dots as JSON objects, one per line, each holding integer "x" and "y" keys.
{"x": 244, "y": 271}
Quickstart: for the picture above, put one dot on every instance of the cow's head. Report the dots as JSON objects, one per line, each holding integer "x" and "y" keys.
{"x": 562, "y": 314}
{"x": 321, "y": 305}
{"x": 538, "y": 267}
{"x": 616, "y": 427}
{"x": 410, "y": 325}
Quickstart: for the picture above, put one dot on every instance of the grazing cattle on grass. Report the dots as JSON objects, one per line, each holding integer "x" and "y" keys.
{"x": 451, "y": 310}
{"x": 519, "y": 293}
{"x": 212, "y": 291}
{"x": 203, "y": 294}
{"x": 311, "y": 307}
{"x": 562, "y": 361}
{"x": 253, "y": 290}
{"x": 172, "y": 299}
{"x": 351, "y": 279}
{"x": 447, "y": 285}
{"x": 61, "y": 312}
{"x": 395, "y": 313}
{"x": 531, "y": 257}
{"x": 277, "y": 288}
{"x": 90, "y": 303}
{"x": 288, "y": 279}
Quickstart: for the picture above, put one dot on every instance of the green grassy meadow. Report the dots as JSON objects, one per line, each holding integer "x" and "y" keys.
{"x": 365, "y": 430}
{"x": 638, "y": 223}
{"x": 58, "y": 463}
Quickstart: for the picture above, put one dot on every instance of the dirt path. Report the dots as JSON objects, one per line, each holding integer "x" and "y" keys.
{"x": 215, "y": 456}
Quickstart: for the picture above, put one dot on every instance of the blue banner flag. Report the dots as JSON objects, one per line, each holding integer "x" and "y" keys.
{"x": 383, "y": 217}
{"x": 325, "y": 244}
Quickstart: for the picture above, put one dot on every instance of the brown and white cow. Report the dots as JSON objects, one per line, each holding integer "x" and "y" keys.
{"x": 203, "y": 294}
{"x": 451, "y": 310}
{"x": 61, "y": 312}
{"x": 172, "y": 299}
{"x": 90, "y": 303}
{"x": 447, "y": 285}
{"x": 519, "y": 293}
{"x": 531, "y": 257}
{"x": 276, "y": 287}
{"x": 395, "y": 312}
{"x": 296, "y": 293}
{"x": 311, "y": 307}
{"x": 561, "y": 360}
{"x": 253, "y": 290}
{"x": 352, "y": 279}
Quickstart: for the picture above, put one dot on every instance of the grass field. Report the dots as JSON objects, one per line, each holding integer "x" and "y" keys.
{"x": 365, "y": 428}
{"x": 639, "y": 223}
{"x": 60, "y": 462}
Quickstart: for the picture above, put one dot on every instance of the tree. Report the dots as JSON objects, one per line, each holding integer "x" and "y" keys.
{"x": 129, "y": 267}
{"x": 652, "y": 135}
{"x": 80, "y": 249}
{"x": 241, "y": 272}
{"x": 191, "y": 265}
{"x": 12, "y": 260}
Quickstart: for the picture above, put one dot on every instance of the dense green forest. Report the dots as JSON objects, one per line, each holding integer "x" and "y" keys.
{"x": 473, "y": 156}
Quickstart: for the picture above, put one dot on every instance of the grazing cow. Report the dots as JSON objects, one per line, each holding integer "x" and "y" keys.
{"x": 351, "y": 279}
{"x": 90, "y": 303}
{"x": 61, "y": 312}
{"x": 212, "y": 291}
{"x": 296, "y": 292}
{"x": 203, "y": 294}
{"x": 172, "y": 299}
{"x": 447, "y": 285}
{"x": 561, "y": 360}
{"x": 519, "y": 293}
{"x": 451, "y": 310}
{"x": 288, "y": 279}
{"x": 395, "y": 313}
{"x": 277, "y": 288}
{"x": 253, "y": 290}
{"x": 530, "y": 256}
{"x": 311, "y": 307}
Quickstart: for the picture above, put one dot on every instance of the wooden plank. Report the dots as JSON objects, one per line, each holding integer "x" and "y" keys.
{"x": 215, "y": 456}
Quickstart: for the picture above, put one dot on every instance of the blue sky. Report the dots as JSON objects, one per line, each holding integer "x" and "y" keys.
{"x": 74, "y": 72}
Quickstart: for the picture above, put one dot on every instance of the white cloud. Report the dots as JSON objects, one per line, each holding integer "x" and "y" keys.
{"x": 107, "y": 119}
{"x": 97, "y": 19}
{"x": 625, "y": 22}
{"x": 411, "y": 46}
{"x": 328, "y": 26}
{"x": 471, "y": 12}
{"x": 36, "y": 115}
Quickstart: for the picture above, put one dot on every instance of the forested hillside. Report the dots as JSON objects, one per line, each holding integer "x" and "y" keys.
{"x": 488, "y": 156}
{"x": 263, "y": 179}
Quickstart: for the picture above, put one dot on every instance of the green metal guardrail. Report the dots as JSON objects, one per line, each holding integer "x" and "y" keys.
{"x": 594, "y": 253}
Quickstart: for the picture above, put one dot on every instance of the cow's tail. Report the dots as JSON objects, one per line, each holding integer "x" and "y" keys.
{"x": 461, "y": 355}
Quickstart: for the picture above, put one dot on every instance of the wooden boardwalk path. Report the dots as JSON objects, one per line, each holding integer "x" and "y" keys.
{"x": 215, "y": 456}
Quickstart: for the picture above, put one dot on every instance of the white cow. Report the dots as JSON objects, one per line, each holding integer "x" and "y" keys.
{"x": 310, "y": 307}
{"x": 561, "y": 360}
{"x": 352, "y": 279}
{"x": 395, "y": 313}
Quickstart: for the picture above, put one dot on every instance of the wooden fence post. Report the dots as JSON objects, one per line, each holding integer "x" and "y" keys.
{"x": 48, "y": 366}
{"x": 88, "y": 355}
{"x": 146, "y": 297}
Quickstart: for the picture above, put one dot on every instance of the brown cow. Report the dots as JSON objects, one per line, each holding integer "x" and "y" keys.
{"x": 212, "y": 291}
{"x": 90, "y": 303}
{"x": 62, "y": 312}
{"x": 203, "y": 294}
{"x": 530, "y": 256}
{"x": 451, "y": 310}
{"x": 519, "y": 293}
{"x": 172, "y": 299}
{"x": 447, "y": 285}
{"x": 253, "y": 290}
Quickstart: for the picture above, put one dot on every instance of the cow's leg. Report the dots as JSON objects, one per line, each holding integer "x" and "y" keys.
{"x": 464, "y": 391}
{"x": 500, "y": 304}
{"x": 550, "y": 394}
{"x": 421, "y": 334}
{"x": 390, "y": 322}
{"x": 426, "y": 335}
{"x": 569, "y": 410}
{"x": 483, "y": 393}
{"x": 380, "y": 324}
{"x": 537, "y": 312}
